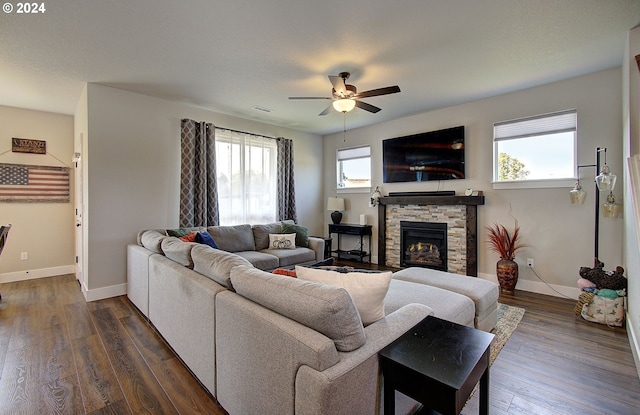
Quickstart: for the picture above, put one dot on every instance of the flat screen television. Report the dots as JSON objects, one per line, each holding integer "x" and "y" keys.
{"x": 434, "y": 155}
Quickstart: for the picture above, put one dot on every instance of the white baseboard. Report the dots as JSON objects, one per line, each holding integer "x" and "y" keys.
{"x": 104, "y": 292}
{"x": 89, "y": 295}
{"x": 37, "y": 273}
{"x": 633, "y": 342}
{"x": 540, "y": 287}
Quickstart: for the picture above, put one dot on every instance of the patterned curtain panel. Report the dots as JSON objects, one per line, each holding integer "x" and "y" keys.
{"x": 286, "y": 182}
{"x": 198, "y": 187}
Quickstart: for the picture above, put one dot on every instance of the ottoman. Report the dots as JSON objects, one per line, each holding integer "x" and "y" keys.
{"x": 483, "y": 293}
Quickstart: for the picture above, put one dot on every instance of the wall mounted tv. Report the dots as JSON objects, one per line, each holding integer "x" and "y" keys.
{"x": 434, "y": 155}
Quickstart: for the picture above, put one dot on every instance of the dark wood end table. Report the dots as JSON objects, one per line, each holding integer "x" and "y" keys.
{"x": 437, "y": 363}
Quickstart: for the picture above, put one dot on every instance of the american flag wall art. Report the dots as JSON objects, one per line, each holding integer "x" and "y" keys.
{"x": 34, "y": 184}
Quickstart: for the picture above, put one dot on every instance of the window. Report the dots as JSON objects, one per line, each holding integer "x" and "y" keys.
{"x": 538, "y": 151}
{"x": 247, "y": 177}
{"x": 354, "y": 168}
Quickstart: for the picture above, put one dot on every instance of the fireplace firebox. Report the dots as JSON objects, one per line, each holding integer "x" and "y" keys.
{"x": 423, "y": 244}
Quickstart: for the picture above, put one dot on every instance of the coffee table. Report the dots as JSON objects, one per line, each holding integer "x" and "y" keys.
{"x": 437, "y": 363}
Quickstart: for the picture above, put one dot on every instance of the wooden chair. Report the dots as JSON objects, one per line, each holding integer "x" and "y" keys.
{"x": 4, "y": 234}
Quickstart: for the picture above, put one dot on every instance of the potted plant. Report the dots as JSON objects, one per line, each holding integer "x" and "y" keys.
{"x": 505, "y": 244}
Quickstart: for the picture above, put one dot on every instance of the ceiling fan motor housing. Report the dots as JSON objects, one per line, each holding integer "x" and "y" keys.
{"x": 350, "y": 91}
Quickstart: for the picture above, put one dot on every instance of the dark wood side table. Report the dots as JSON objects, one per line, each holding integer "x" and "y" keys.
{"x": 350, "y": 229}
{"x": 437, "y": 363}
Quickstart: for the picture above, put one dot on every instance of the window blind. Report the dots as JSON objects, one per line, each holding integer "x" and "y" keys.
{"x": 354, "y": 153}
{"x": 558, "y": 122}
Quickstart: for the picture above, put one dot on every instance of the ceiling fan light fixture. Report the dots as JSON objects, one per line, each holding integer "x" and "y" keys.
{"x": 344, "y": 105}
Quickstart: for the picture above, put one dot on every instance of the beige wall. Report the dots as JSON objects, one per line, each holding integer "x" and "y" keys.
{"x": 43, "y": 230}
{"x": 132, "y": 167}
{"x": 560, "y": 235}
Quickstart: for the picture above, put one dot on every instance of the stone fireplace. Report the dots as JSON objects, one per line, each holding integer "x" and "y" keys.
{"x": 423, "y": 244}
{"x": 458, "y": 214}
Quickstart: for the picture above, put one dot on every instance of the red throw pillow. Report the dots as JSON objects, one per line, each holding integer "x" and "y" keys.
{"x": 287, "y": 272}
{"x": 190, "y": 237}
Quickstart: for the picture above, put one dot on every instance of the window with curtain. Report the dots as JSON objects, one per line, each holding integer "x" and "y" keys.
{"x": 537, "y": 151}
{"x": 246, "y": 171}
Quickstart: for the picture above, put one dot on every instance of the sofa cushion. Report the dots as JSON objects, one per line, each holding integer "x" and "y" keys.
{"x": 282, "y": 241}
{"x": 233, "y": 238}
{"x": 178, "y": 251}
{"x": 288, "y": 257}
{"x": 446, "y": 305}
{"x": 302, "y": 233}
{"x": 215, "y": 264}
{"x": 260, "y": 260}
{"x": 324, "y": 308}
{"x": 152, "y": 240}
{"x": 367, "y": 288}
{"x": 261, "y": 234}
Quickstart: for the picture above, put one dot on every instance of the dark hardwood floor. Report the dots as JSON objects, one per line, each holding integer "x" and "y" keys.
{"x": 61, "y": 355}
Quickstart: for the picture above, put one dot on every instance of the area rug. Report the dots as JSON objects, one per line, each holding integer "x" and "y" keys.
{"x": 508, "y": 319}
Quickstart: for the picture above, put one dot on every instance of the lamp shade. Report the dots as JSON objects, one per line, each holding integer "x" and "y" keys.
{"x": 577, "y": 195}
{"x": 344, "y": 105}
{"x": 606, "y": 180}
{"x": 611, "y": 209}
{"x": 335, "y": 203}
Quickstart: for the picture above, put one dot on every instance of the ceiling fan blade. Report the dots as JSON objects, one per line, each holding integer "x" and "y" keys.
{"x": 367, "y": 107}
{"x": 310, "y": 98}
{"x": 338, "y": 84}
{"x": 380, "y": 91}
{"x": 327, "y": 110}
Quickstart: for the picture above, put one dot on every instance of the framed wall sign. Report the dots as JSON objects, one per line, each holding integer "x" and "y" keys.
{"x": 26, "y": 145}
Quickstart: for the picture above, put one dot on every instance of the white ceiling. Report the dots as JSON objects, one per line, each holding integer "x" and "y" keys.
{"x": 230, "y": 56}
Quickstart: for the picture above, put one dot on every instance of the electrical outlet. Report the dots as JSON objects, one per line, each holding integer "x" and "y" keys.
{"x": 530, "y": 262}
{"x": 24, "y": 256}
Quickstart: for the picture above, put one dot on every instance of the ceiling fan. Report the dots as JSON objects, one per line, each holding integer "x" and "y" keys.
{"x": 345, "y": 97}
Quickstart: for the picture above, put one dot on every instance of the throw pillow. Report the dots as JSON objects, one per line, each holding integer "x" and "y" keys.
{"x": 367, "y": 288}
{"x": 282, "y": 241}
{"x": 302, "y": 233}
{"x": 178, "y": 232}
{"x": 190, "y": 237}
{"x": 205, "y": 237}
{"x": 287, "y": 272}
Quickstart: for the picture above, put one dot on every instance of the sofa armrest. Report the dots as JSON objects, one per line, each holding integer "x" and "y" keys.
{"x": 357, "y": 374}
{"x": 317, "y": 244}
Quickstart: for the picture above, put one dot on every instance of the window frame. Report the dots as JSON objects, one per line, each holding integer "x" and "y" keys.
{"x": 535, "y": 126}
{"x": 353, "y": 156}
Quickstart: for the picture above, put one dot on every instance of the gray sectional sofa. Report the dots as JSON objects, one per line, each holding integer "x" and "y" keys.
{"x": 263, "y": 343}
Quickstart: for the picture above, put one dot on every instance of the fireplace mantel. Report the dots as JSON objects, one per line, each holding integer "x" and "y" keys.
{"x": 432, "y": 200}
{"x": 471, "y": 204}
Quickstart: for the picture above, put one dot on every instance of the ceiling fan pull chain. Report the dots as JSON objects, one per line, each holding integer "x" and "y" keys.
{"x": 344, "y": 132}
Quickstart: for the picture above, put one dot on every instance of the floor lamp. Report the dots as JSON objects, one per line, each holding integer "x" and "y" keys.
{"x": 605, "y": 181}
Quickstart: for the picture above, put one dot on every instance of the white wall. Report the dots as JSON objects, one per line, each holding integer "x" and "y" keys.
{"x": 631, "y": 129}
{"x": 43, "y": 230}
{"x": 132, "y": 163}
{"x": 560, "y": 235}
